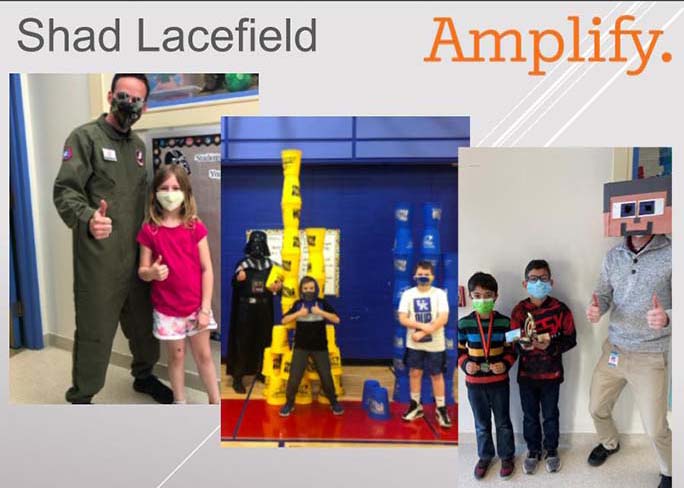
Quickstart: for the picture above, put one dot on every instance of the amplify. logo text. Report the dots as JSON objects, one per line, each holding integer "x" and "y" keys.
{"x": 549, "y": 45}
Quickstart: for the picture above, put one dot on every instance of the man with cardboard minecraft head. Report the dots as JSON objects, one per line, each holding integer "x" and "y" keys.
{"x": 636, "y": 286}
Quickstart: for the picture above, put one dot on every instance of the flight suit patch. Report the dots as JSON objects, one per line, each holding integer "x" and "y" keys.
{"x": 67, "y": 154}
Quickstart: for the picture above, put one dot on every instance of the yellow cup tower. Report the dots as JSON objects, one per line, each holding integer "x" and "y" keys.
{"x": 278, "y": 357}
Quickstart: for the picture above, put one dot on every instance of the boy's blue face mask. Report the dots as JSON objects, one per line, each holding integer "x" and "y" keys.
{"x": 422, "y": 280}
{"x": 539, "y": 289}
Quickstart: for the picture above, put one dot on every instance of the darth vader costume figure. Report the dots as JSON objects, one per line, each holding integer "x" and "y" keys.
{"x": 251, "y": 320}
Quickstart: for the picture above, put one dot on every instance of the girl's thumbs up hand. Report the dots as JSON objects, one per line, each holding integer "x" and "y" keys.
{"x": 656, "y": 316}
{"x": 158, "y": 270}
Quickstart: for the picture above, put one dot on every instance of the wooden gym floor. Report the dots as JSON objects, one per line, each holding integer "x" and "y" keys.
{"x": 248, "y": 421}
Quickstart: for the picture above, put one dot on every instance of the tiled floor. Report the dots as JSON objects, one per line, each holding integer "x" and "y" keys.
{"x": 633, "y": 467}
{"x": 42, "y": 377}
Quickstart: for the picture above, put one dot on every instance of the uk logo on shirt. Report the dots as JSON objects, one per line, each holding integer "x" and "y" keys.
{"x": 422, "y": 309}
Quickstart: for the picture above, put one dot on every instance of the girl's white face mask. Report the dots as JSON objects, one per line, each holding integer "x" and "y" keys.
{"x": 170, "y": 200}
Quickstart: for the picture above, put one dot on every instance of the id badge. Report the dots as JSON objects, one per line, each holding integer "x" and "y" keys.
{"x": 613, "y": 359}
{"x": 109, "y": 154}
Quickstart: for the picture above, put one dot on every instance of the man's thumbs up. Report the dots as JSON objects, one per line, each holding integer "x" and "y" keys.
{"x": 100, "y": 225}
{"x": 159, "y": 271}
{"x": 594, "y": 310}
{"x": 656, "y": 316}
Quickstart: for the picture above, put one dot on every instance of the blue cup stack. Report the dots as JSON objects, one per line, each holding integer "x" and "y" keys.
{"x": 451, "y": 328}
{"x": 403, "y": 268}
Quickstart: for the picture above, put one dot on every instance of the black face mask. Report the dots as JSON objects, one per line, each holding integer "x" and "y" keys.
{"x": 126, "y": 109}
{"x": 309, "y": 296}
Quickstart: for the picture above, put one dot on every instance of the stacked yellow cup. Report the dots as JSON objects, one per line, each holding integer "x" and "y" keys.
{"x": 272, "y": 368}
{"x": 315, "y": 237}
{"x": 291, "y": 205}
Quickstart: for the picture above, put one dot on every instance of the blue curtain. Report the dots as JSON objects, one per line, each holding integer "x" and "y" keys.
{"x": 23, "y": 243}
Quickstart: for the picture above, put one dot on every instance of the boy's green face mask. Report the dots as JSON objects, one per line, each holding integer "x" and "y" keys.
{"x": 483, "y": 306}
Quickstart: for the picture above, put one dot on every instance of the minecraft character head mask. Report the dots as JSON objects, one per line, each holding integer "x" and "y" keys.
{"x": 638, "y": 207}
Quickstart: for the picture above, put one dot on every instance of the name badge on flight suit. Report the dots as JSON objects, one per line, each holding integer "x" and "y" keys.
{"x": 108, "y": 154}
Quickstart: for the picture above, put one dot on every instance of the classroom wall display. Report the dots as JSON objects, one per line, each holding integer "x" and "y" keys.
{"x": 200, "y": 156}
{"x": 183, "y": 88}
{"x": 331, "y": 255}
{"x": 651, "y": 161}
{"x": 185, "y": 99}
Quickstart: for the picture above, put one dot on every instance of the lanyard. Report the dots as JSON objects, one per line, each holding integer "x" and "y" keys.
{"x": 486, "y": 345}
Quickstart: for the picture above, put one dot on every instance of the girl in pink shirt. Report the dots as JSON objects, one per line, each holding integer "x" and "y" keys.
{"x": 174, "y": 256}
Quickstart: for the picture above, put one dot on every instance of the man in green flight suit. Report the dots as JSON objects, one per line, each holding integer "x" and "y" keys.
{"x": 101, "y": 192}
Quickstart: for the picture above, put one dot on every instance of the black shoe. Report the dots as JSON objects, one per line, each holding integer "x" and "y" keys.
{"x": 599, "y": 455}
{"x": 415, "y": 411}
{"x": 481, "y": 468}
{"x": 507, "y": 468}
{"x": 665, "y": 481}
{"x": 261, "y": 378}
{"x": 238, "y": 386}
{"x": 155, "y": 388}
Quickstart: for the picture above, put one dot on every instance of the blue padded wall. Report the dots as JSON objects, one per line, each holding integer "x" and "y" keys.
{"x": 359, "y": 200}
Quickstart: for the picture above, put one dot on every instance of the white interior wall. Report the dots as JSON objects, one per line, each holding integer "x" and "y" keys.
{"x": 521, "y": 204}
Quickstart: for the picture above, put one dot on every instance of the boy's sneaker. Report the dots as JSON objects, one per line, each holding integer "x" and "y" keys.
{"x": 287, "y": 409}
{"x": 507, "y": 468}
{"x": 481, "y": 468}
{"x": 443, "y": 417}
{"x": 337, "y": 408}
{"x": 415, "y": 411}
{"x": 665, "y": 481}
{"x": 599, "y": 454}
{"x": 531, "y": 461}
{"x": 553, "y": 462}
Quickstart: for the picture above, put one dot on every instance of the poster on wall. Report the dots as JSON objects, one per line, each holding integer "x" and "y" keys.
{"x": 184, "y": 88}
{"x": 200, "y": 155}
{"x": 331, "y": 255}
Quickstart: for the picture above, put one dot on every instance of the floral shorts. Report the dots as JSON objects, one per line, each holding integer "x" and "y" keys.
{"x": 167, "y": 328}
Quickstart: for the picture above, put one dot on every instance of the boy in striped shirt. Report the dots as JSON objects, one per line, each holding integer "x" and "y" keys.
{"x": 486, "y": 358}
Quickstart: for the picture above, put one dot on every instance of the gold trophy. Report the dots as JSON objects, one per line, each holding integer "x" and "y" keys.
{"x": 529, "y": 333}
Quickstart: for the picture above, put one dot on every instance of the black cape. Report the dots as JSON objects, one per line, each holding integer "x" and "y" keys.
{"x": 248, "y": 356}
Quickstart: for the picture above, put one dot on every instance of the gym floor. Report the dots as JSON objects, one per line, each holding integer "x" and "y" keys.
{"x": 248, "y": 421}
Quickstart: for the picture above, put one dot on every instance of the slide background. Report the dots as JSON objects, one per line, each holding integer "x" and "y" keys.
{"x": 368, "y": 61}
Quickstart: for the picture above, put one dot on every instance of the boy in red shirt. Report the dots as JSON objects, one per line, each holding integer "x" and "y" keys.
{"x": 540, "y": 369}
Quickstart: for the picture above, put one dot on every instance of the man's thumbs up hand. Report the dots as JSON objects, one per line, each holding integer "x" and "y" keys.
{"x": 656, "y": 316}
{"x": 100, "y": 225}
{"x": 593, "y": 310}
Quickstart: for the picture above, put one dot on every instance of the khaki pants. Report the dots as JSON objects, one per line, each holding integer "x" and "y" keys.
{"x": 646, "y": 375}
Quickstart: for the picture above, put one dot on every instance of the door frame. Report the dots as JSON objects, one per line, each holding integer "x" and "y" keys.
{"x": 21, "y": 214}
